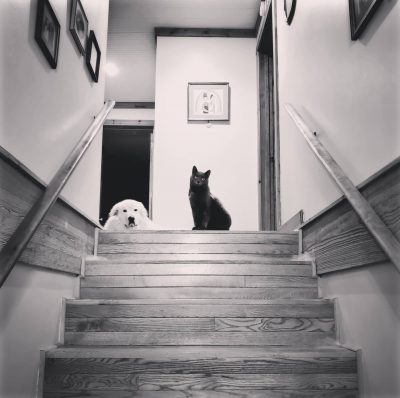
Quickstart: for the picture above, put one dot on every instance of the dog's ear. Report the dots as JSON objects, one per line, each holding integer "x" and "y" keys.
{"x": 113, "y": 211}
{"x": 143, "y": 211}
{"x": 194, "y": 170}
{"x": 207, "y": 173}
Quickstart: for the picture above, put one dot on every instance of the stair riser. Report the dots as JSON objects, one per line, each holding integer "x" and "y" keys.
{"x": 300, "y": 364}
{"x": 200, "y": 338}
{"x": 198, "y": 280}
{"x": 198, "y": 293}
{"x": 265, "y": 249}
{"x": 227, "y": 393}
{"x": 324, "y": 310}
{"x": 188, "y": 237}
{"x": 198, "y": 269}
{"x": 199, "y": 324}
{"x": 194, "y": 258}
{"x": 204, "y": 382}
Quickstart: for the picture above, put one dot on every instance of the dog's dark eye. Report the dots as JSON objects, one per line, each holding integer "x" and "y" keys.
{"x": 135, "y": 209}
{"x": 124, "y": 211}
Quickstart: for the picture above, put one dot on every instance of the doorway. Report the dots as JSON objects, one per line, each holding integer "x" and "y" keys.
{"x": 126, "y": 166}
{"x": 268, "y": 121}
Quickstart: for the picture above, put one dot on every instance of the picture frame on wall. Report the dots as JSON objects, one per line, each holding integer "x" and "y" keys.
{"x": 290, "y": 8}
{"x": 93, "y": 56}
{"x": 47, "y": 32}
{"x": 79, "y": 25}
{"x": 361, "y": 12}
{"x": 208, "y": 101}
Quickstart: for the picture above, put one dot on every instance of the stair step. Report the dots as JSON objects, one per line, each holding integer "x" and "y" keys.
{"x": 233, "y": 370}
{"x": 200, "y": 308}
{"x": 198, "y": 292}
{"x": 195, "y": 248}
{"x": 95, "y": 267}
{"x": 104, "y": 393}
{"x": 198, "y": 237}
{"x": 199, "y": 324}
{"x": 198, "y": 280}
{"x": 195, "y": 257}
{"x": 200, "y": 338}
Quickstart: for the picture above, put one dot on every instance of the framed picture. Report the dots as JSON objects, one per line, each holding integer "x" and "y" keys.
{"x": 208, "y": 101}
{"x": 79, "y": 25}
{"x": 47, "y": 32}
{"x": 93, "y": 55}
{"x": 290, "y": 8}
{"x": 361, "y": 12}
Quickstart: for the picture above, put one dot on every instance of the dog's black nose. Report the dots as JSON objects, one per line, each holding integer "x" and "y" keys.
{"x": 131, "y": 220}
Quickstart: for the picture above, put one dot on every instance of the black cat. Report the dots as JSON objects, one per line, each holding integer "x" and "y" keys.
{"x": 208, "y": 212}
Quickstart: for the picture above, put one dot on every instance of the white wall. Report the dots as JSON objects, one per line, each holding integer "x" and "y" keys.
{"x": 44, "y": 112}
{"x": 30, "y": 303}
{"x": 368, "y": 316}
{"x": 229, "y": 149}
{"x": 131, "y": 114}
{"x": 346, "y": 90}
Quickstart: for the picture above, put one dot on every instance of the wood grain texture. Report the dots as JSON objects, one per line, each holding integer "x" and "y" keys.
{"x": 158, "y": 382}
{"x": 225, "y": 360}
{"x": 199, "y": 338}
{"x": 244, "y": 237}
{"x": 197, "y": 280}
{"x": 204, "y": 248}
{"x": 97, "y": 269}
{"x": 199, "y": 324}
{"x": 195, "y": 257}
{"x": 104, "y": 393}
{"x": 311, "y": 309}
{"x": 338, "y": 239}
{"x": 204, "y": 32}
{"x": 63, "y": 237}
{"x": 198, "y": 292}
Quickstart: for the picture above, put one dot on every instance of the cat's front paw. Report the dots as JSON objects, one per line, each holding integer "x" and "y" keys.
{"x": 195, "y": 228}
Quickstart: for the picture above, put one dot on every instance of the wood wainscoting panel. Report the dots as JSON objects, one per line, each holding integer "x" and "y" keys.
{"x": 336, "y": 237}
{"x": 64, "y": 236}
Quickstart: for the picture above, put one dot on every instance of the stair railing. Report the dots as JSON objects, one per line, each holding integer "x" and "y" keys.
{"x": 385, "y": 238}
{"x": 24, "y": 232}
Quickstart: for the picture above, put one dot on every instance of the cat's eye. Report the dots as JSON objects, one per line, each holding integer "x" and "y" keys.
{"x": 202, "y": 178}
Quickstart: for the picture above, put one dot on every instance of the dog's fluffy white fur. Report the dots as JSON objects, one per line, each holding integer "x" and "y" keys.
{"x": 128, "y": 215}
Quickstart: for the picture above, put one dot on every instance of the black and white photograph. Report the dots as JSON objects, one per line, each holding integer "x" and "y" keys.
{"x": 202, "y": 200}
{"x": 47, "y": 32}
{"x": 79, "y": 25}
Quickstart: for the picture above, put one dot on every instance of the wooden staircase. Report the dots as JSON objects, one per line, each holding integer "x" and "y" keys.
{"x": 199, "y": 314}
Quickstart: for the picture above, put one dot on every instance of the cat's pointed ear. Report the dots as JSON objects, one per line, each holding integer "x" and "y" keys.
{"x": 207, "y": 173}
{"x": 194, "y": 170}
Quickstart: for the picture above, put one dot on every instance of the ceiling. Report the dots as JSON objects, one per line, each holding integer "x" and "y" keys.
{"x": 131, "y": 50}
{"x": 144, "y": 15}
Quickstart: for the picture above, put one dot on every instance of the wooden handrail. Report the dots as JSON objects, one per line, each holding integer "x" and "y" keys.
{"x": 22, "y": 235}
{"x": 385, "y": 238}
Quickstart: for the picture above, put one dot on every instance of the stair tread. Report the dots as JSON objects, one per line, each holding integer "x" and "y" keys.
{"x": 201, "y": 351}
{"x": 292, "y": 260}
{"x": 300, "y": 301}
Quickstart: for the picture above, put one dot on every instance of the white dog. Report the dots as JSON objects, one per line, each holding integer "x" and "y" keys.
{"x": 128, "y": 214}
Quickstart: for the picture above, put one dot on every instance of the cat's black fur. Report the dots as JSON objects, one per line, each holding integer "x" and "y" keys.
{"x": 208, "y": 212}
